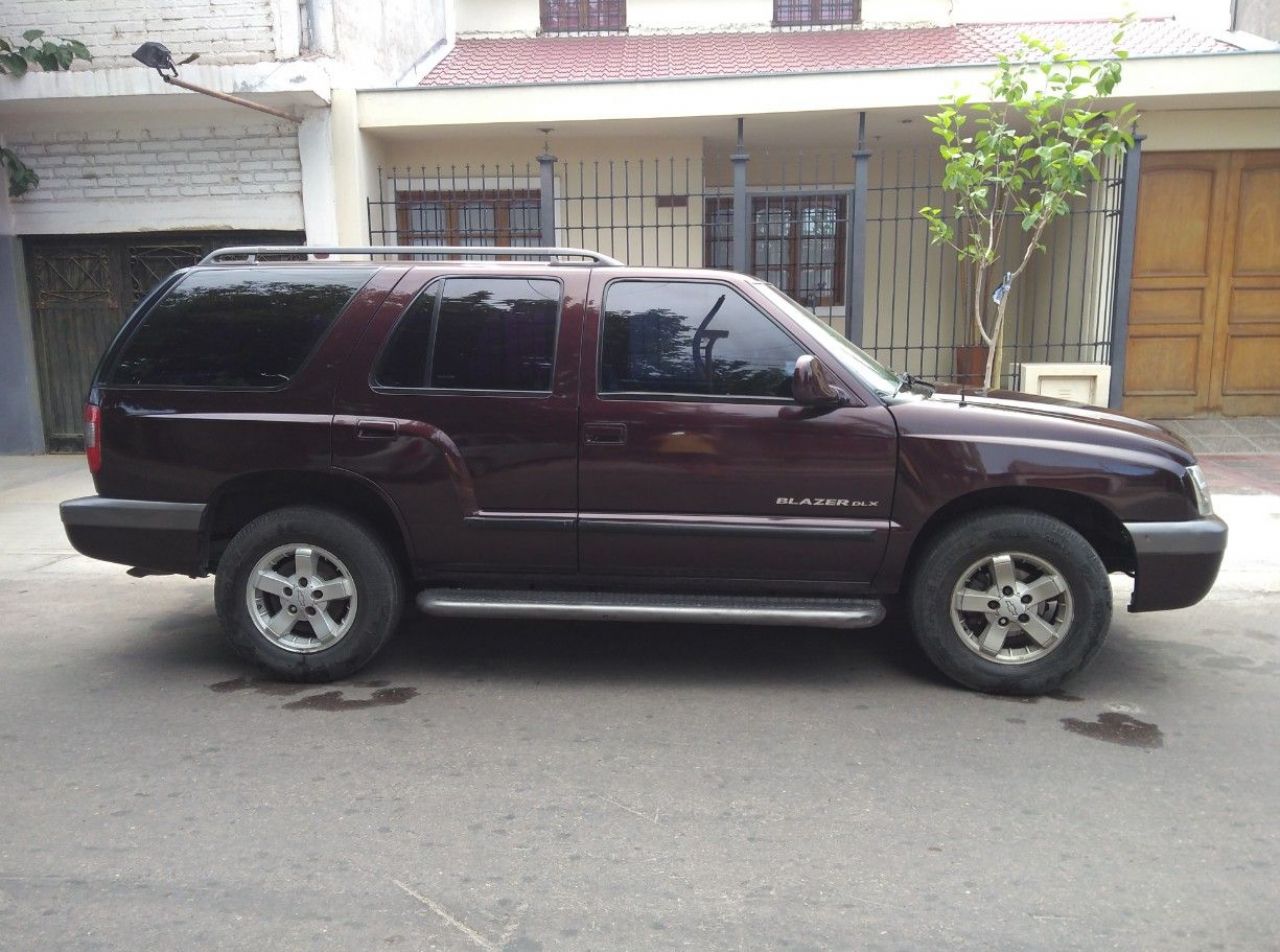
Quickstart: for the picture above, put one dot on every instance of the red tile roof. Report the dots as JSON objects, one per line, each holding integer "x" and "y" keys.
{"x": 588, "y": 59}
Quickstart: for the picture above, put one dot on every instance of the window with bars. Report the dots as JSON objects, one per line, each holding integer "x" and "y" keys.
{"x": 583, "y": 16}
{"x": 468, "y": 219}
{"x": 797, "y": 243}
{"x": 816, "y": 12}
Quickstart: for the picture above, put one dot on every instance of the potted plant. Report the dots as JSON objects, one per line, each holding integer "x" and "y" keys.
{"x": 1017, "y": 161}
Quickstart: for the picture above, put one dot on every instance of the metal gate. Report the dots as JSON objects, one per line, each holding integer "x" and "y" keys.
{"x": 82, "y": 289}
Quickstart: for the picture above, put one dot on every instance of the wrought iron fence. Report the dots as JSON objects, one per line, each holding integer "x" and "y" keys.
{"x": 841, "y": 233}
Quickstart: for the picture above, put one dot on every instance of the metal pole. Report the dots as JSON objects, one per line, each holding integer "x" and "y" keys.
{"x": 1124, "y": 271}
{"x": 741, "y": 208}
{"x": 547, "y": 196}
{"x": 856, "y": 242}
{"x": 227, "y": 97}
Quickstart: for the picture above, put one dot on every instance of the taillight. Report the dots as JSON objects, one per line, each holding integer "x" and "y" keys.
{"x": 93, "y": 436}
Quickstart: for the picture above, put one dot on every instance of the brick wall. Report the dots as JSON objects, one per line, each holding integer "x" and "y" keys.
{"x": 143, "y": 164}
{"x": 221, "y": 31}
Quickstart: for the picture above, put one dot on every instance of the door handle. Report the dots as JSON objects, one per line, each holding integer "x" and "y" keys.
{"x": 376, "y": 429}
{"x": 605, "y": 434}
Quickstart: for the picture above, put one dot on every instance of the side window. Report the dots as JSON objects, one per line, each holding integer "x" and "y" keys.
{"x": 476, "y": 334}
{"x": 235, "y": 327}
{"x": 684, "y": 337}
{"x": 404, "y": 357}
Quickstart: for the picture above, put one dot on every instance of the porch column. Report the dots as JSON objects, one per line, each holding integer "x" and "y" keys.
{"x": 856, "y": 259}
{"x": 1124, "y": 270}
{"x": 741, "y": 207}
{"x": 547, "y": 198}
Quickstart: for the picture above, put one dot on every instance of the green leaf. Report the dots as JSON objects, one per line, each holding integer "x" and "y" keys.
{"x": 15, "y": 63}
{"x": 32, "y": 35}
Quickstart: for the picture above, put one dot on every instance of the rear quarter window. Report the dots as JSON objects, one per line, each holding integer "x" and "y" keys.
{"x": 235, "y": 327}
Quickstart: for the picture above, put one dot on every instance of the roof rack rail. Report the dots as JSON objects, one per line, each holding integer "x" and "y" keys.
{"x": 251, "y": 253}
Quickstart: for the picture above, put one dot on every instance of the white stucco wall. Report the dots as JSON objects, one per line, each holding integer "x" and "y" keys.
{"x": 378, "y": 42}
{"x": 515, "y": 17}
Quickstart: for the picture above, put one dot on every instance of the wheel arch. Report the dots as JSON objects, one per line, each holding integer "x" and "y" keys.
{"x": 1100, "y": 527}
{"x": 242, "y": 499}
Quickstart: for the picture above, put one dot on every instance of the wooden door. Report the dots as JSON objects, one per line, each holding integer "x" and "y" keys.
{"x": 1204, "y": 315}
{"x": 1245, "y": 379}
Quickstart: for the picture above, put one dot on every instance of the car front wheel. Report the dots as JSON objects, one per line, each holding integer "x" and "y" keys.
{"x": 1010, "y": 602}
{"x": 309, "y": 594}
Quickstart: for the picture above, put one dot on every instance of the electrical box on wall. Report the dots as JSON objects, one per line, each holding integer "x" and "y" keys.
{"x": 1079, "y": 383}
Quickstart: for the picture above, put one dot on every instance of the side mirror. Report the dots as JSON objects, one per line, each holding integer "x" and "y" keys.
{"x": 810, "y": 386}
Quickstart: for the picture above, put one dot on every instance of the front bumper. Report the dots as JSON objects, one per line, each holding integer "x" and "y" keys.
{"x": 160, "y": 536}
{"x": 1177, "y": 562}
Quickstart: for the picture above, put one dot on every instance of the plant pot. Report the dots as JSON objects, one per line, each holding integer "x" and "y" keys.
{"x": 970, "y": 365}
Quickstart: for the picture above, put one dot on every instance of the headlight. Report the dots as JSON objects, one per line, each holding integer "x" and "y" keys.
{"x": 1200, "y": 489}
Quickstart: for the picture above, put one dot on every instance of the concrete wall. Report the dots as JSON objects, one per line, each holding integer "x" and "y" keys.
{"x": 379, "y": 42}
{"x": 1261, "y": 17}
{"x": 20, "y": 425}
{"x": 221, "y": 31}
{"x": 133, "y": 175}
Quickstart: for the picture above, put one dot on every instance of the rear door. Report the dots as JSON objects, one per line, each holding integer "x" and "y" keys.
{"x": 461, "y": 404}
{"x": 697, "y": 463}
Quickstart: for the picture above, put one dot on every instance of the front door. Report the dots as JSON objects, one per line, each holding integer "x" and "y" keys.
{"x": 461, "y": 403}
{"x": 1204, "y": 316}
{"x": 695, "y": 461}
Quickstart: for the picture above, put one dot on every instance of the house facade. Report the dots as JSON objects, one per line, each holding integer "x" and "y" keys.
{"x": 641, "y": 104}
{"x": 782, "y": 137}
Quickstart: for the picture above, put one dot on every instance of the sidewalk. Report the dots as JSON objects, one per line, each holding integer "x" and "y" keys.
{"x": 1240, "y": 455}
{"x": 1235, "y": 435}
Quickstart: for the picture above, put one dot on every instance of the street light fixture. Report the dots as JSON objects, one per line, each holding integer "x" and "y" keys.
{"x": 157, "y": 56}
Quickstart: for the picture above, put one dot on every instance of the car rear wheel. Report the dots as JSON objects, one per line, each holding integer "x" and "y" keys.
{"x": 308, "y": 594}
{"x": 1010, "y": 602}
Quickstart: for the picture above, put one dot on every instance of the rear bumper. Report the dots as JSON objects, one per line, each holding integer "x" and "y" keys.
{"x": 161, "y": 536}
{"x": 1177, "y": 562}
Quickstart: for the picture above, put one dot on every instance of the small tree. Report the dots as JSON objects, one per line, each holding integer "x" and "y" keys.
{"x": 16, "y": 59}
{"x": 1034, "y": 147}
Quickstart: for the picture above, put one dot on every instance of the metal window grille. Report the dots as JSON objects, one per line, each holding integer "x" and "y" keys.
{"x": 816, "y": 12}
{"x": 467, "y": 218}
{"x": 797, "y": 243}
{"x": 583, "y": 16}
{"x": 801, "y": 233}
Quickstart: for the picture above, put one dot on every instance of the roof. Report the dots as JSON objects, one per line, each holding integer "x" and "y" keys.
{"x": 545, "y": 60}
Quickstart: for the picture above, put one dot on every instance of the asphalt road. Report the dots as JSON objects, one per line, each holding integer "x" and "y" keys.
{"x": 520, "y": 787}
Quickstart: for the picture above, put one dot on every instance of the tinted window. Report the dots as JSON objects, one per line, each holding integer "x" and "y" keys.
{"x": 495, "y": 334}
{"x": 691, "y": 338}
{"x": 404, "y": 358}
{"x": 236, "y": 327}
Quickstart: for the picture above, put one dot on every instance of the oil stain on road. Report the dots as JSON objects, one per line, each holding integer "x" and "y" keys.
{"x": 1116, "y": 728}
{"x": 382, "y": 695}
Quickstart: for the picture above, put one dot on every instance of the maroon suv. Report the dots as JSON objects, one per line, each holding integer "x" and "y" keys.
{"x": 577, "y": 439}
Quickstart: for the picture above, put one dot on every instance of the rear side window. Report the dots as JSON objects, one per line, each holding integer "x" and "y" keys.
{"x": 235, "y": 327}
{"x": 691, "y": 338}
{"x": 494, "y": 334}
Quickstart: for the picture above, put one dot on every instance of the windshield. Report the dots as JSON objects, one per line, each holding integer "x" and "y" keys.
{"x": 852, "y": 357}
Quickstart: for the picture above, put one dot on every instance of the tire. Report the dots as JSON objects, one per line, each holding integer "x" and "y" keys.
{"x": 1060, "y": 592}
{"x": 284, "y": 620}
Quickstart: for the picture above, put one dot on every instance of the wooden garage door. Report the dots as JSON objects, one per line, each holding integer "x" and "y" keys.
{"x": 1204, "y": 332}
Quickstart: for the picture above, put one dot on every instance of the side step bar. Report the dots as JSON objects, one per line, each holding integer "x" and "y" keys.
{"x": 644, "y": 606}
